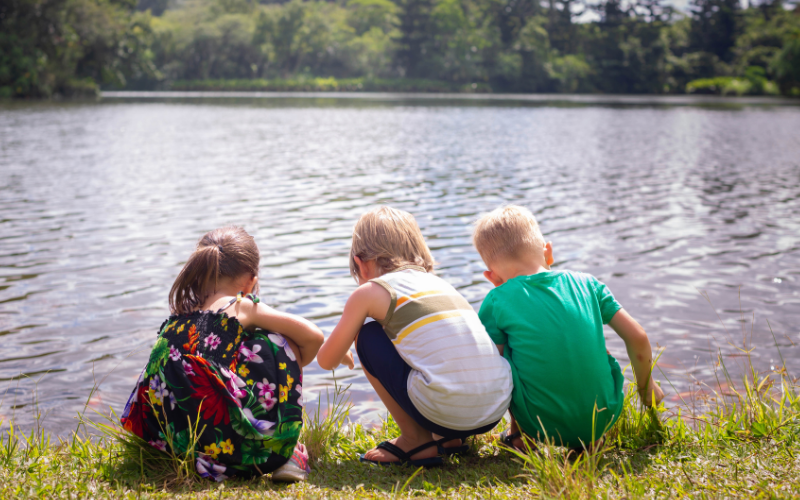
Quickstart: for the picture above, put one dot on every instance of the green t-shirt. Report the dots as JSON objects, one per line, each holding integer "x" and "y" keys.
{"x": 551, "y": 324}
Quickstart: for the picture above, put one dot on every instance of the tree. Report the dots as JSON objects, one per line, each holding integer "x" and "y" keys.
{"x": 562, "y": 31}
{"x": 72, "y": 46}
{"x": 715, "y": 26}
{"x": 415, "y": 39}
{"x": 787, "y": 66}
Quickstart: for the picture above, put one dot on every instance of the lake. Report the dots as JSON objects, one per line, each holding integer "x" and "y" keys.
{"x": 690, "y": 214}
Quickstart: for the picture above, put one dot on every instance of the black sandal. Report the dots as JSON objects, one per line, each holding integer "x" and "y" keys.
{"x": 452, "y": 450}
{"x": 405, "y": 456}
{"x": 508, "y": 439}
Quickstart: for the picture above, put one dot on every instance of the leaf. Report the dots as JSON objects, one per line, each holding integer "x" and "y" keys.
{"x": 261, "y": 336}
{"x": 158, "y": 357}
{"x": 254, "y": 406}
{"x": 254, "y": 452}
{"x": 180, "y": 442}
{"x": 287, "y": 434}
{"x": 759, "y": 429}
{"x": 243, "y": 427}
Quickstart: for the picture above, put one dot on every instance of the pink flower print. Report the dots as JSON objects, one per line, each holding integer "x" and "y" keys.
{"x": 174, "y": 354}
{"x": 251, "y": 356}
{"x": 211, "y": 342}
{"x": 265, "y": 387}
{"x": 210, "y": 468}
{"x": 279, "y": 341}
{"x": 234, "y": 383}
{"x": 188, "y": 369}
{"x": 161, "y": 445}
{"x": 266, "y": 391}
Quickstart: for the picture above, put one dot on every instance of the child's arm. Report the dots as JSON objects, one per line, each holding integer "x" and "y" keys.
{"x": 640, "y": 354}
{"x": 369, "y": 300}
{"x": 305, "y": 334}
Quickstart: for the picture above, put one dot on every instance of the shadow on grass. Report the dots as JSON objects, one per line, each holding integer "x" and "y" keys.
{"x": 126, "y": 473}
{"x": 472, "y": 470}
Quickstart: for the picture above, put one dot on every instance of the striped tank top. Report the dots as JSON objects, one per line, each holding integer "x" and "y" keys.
{"x": 458, "y": 378}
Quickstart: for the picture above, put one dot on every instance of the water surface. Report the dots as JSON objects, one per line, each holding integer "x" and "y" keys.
{"x": 690, "y": 215}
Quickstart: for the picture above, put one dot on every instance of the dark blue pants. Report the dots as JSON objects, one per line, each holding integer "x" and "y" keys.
{"x": 380, "y": 358}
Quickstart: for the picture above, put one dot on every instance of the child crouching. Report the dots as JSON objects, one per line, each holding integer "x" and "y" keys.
{"x": 549, "y": 326}
{"x": 426, "y": 354}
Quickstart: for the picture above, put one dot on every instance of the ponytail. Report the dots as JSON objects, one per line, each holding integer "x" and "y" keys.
{"x": 227, "y": 252}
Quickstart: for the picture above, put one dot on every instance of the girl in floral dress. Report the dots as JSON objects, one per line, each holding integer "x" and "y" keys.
{"x": 219, "y": 383}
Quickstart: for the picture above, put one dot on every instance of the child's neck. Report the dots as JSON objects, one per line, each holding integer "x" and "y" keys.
{"x": 227, "y": 287}
{"x": 522, "y": 267}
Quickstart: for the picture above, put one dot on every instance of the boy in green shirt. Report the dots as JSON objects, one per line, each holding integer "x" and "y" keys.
{"x": 549, "y": 326}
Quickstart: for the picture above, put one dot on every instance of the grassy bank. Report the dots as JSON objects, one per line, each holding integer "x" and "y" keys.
{"x": 312, "y": 84}
{"x": 746, "y": 444}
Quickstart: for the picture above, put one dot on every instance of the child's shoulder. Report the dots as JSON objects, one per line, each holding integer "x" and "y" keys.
{"x": 579, "y": 276}
{"x": 559, "y": 279}
{"x": 581, "y": 281}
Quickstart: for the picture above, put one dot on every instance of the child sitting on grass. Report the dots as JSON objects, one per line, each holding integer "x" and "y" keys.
{"x": 549, "y": 326}
{"x": 426, "y": 354}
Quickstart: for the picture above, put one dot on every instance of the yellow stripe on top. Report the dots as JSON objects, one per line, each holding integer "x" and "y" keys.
{"x": 419, "y": 324}
{"x": 406, "y": 298}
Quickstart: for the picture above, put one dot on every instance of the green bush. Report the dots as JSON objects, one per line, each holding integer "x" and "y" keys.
{"x": 708, "y": 85}
{"x": 752, "y": 84}
{"x": 329, "y": 84}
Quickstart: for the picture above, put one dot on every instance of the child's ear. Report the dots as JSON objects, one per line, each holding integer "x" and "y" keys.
{"x": 359, "y": 267}
{"x": 548, "y": 253}
{"x": 495, "y": 280}
{"x": 251, "y": 285}
{"x": 359, "y": 261}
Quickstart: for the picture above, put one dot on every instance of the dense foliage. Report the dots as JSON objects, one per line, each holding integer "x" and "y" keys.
{"x": 67, "y": 47}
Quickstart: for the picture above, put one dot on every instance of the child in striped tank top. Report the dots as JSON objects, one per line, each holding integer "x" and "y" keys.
{"x": 427, "y": 355}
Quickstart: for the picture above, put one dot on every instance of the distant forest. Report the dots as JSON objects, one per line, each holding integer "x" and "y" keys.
{"x": 75, "y": 47}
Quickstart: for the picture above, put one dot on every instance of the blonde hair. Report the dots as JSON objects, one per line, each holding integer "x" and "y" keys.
{"x": 507, "y": 233}
{"x": 392, "y": 238}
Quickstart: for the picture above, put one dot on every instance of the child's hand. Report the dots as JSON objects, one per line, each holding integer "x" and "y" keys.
{"x": 348, "y": 360}
{"x": 653, "y": 389}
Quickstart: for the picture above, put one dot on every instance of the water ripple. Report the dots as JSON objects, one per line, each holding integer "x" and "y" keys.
{"x": 100, "y": 205}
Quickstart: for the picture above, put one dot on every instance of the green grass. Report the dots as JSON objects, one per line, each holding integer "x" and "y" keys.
{"x": 746, "y": 443}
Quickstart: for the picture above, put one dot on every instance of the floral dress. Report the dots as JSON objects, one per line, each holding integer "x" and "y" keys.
{"x": 229, "y": 397}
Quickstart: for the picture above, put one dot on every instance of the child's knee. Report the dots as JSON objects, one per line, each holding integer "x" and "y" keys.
{"x": 365, "y": 338}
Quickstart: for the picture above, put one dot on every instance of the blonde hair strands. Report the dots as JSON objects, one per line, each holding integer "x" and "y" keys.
{"x": 392, "y": 238}
{"x": 227, "y": 252}
{"x": 507, "y": 233}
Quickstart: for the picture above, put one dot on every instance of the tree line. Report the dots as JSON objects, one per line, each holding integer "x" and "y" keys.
{"x": 73, "y": 47}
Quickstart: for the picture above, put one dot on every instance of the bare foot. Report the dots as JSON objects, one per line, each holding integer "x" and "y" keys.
{"x": 405, "y": 444}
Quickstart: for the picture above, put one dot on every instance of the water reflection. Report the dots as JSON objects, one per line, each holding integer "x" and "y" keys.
{"x": 677, "y": 209}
